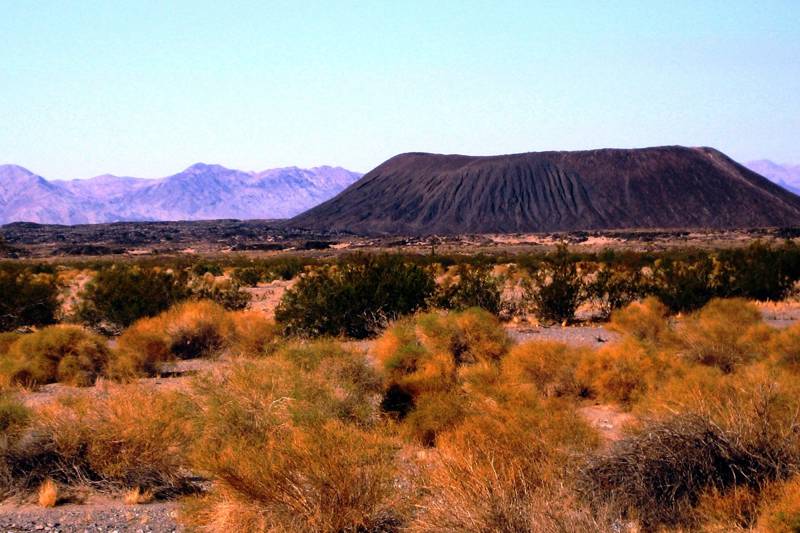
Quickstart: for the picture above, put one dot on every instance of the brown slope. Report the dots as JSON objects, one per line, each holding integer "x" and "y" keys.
{"x": 663, "y": 187}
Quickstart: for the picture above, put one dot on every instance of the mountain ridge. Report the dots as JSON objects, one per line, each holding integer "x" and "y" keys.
{"x": 201, "y": 191}
{"x": 657, "y": 187}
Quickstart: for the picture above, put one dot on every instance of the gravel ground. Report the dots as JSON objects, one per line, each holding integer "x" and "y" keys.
{"x": 582, "y": 335}
{"x": 107, "y": 517}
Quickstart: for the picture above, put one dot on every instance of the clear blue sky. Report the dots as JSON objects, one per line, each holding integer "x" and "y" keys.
{"x": 146, "y": 88}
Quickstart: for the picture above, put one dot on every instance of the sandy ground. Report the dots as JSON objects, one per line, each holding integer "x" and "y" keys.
{"x": 266, "y": 296}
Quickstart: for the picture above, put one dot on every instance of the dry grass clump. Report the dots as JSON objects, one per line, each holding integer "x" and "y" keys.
{"x": 286, "y": 455}
{"x": 48, "y": 493}
{"x": 741, "y": 434}
{"x": 137, "y": 496}
{"x": 189, "y": 330}
{"x": 129, "y": 437}
{"x": 433, "y": 413}
{"x": 14, "y": 420}
{"x": 353, "y": 382}
{"x": 63, "y": 353}
{"x": 785, "y": 348}
{"x": 500, "y": 469}
{"x": 645, "y": 321}
{"x": 140, "y": 350}
{"x": 196, "y": 329}
{"x": 657, "y": 476}
{"x": 424, "y": 359}
{"x": 724, "y": 334}
{"x": 781, "y": 512}
{"x": 7, "y": 338}
{"x": 622, "y": 372}
{"x": 253, "y": 333}
{"x": 13, "y": 416}
{"x": 549, "y": 366}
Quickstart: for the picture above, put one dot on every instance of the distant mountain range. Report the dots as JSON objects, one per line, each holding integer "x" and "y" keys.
{"x": 660, "y": 187}
{"x": 787, "y": 176}
{"x": 412, "y": 193}
{"x": 199, "y": 192}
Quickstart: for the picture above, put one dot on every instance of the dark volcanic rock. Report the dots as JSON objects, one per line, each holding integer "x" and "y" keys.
{"x": 664, "y": 187}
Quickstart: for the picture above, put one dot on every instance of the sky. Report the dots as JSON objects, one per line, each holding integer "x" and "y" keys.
{"x": 146, "y": 88}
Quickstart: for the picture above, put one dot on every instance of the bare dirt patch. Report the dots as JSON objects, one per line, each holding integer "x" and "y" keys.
{"x": 266, "y": 297}
{"x": 609, "y": 420}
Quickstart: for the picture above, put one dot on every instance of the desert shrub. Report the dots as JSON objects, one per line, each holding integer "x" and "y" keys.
{"x": 621, "y": 372}
{"x": 659, "y": 474}
{"x": 354, "y": 299}
{"x": 225, "y": 292}
{"x": 140, "y": 350}
{"x": 759, "y": 271}
{"x": 684, "y": 284}
{"x": 247, "y": 276}
{"x": 501, "y": 469}
{"x": 433, "y": 413}
{"x": 7, "y": 338}
{"x": 130, "y": 437}
{"x": 423, "y": 359}
{"x": 196, "y": 329}
{"x": 548, "y": 366}
{"x": 14, "y": 419}
{"x": 733, "y": 509}
{"x": 323, "y": 473}
{"x": 122, "y": 294}
{"x": 29, "y": 299}
{"x": 189, "y": 330}
{"x": 356, "y": 382}
{"x": 472, "y": 287}
{"x": 13, "y": 416}
{"x": 423, "y": 353}
{"x": 202, "y": 268}
{"x": 644, "y": 321}
{"x": 253, "y": 333}
{"x": 785, "y": 347}
{"x": 724, "y": 333}
{"x": 286, "y": 268}
{"x": 63, "y": 353}
{"x": 557, "y": 288}
{"x": 781, "y": 513}
{"x": 613, "y": 288}
{"x": 732, "y": 431}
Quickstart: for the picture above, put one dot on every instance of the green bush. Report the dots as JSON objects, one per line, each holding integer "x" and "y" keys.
{"x": 684, "y": 284}
{"x": 246, "y": 276}
{"x": 355, "y": 299}
{"x": 475, "y": 287}
{"x": 13, "y": 415}
{"x": 122, "y": 294}
{"x": 226, "y": 293}
{"x": 286, "y": 268}
{"x": 206, "y": 267}
{"x": 759, "y": 272}
{"x": 613, "y": 288}
{"x": 557, "y": 288}
{"x": 66, "y": 354}
{"x": 28, "y": 299}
